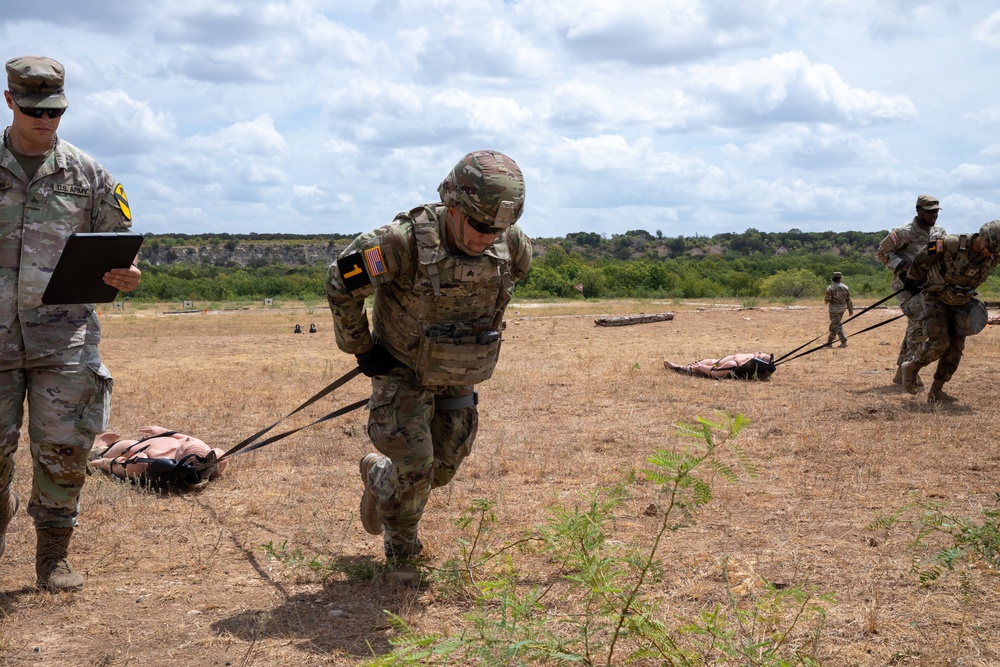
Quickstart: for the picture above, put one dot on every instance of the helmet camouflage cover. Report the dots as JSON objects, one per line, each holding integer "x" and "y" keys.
{"x": 487, "y": 186}
{"x": 991, "y": 234}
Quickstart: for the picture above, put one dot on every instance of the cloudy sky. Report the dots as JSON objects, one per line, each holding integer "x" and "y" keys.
{"x": 681, "y": 116}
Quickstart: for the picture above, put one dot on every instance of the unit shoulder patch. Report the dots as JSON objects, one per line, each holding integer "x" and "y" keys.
{"x": 123, "y": 201}
{"x": 353, "y": 271}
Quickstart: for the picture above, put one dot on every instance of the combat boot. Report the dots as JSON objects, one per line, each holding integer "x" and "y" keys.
{"x": 898, "y": 377}
{"x": 403, "y": 568}
{"x": 937, "y": 395}
{"x": 369, "y": 512}
{"x": 8, "y": 508}
{"x": 53, "y": 571}
{"x": 910, "y": 370}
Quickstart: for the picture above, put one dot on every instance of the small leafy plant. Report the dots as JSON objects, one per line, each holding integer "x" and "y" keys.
{"x": 946, "y": 543}
{"x": 597, "y": 605}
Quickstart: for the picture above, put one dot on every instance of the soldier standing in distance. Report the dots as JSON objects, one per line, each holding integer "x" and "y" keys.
{"x": 838, "y": 296}
{"x": 897, "y": 251}
{"x": 948, "y": 271}
{"x": 48, "y": 353}
{"x": 442, "y": 275}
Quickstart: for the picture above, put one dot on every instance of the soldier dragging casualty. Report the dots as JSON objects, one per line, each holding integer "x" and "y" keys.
{"x": 947, "y": 272}
{"x": 442, "y": 275}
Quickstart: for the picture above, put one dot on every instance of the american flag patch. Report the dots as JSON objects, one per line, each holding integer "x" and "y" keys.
{"x": 940, "y": 245}
{"x": 892, "y": 235}
{"x": 373, "y": 259}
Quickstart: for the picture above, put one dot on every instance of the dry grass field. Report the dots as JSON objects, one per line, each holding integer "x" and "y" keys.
{"x": 239, "y": 572}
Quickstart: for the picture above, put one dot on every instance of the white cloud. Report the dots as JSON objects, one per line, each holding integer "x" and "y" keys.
{"x": 680, "y": 115}
{"x": 137, "y": 128}
{"x": 788, "y": 87}
{"x": 257, "y": 138}
{"x": 657, "y": 32}
{"x": 988, "y": 31}
{"x": 812, "y": 148}
{"x": 987, "y": 116}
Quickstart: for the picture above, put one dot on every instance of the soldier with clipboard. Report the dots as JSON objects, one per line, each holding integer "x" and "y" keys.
{"x": 49, "y": 361}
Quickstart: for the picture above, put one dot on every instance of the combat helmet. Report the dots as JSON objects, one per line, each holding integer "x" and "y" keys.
{"x": 837, "y": 275}
{"x": 990, "y": 232}
{"x": 488, "y": 187}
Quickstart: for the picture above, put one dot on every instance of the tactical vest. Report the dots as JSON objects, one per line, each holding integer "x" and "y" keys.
{"x": 446, "y": 327}
{"x": 954, "y": 279}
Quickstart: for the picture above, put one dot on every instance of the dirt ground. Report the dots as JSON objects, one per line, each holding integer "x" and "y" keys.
{"x": 232, "y": 575}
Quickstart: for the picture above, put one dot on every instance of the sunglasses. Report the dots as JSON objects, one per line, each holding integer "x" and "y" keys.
{"x": 38, "y": 113}
{"x": 481, "y": 227}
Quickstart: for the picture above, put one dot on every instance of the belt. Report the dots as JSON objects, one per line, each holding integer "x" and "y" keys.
{"x": 467, "y": 401}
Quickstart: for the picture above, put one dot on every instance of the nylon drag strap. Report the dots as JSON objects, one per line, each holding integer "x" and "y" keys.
{"x": 852, "y": 317}
{"x": 820, "y": 347}
{"x": 245, "y": 445}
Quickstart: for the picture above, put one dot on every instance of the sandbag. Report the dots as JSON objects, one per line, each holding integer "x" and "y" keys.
{"x": 969, "y": 319}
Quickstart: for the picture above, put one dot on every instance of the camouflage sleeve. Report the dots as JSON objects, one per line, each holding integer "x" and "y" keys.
{"x": 888, "y": 250}
{"x": 827, "y": 298}
{"x": 850, "y": 304}
{"x": 922, "y": 263}
{"x": 111, "y": 211}
{"x": 372, "y": 259}
{"x": 520, "y": 253}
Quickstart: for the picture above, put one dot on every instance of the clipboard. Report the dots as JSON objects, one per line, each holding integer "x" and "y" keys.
{"x": 79, "y": 273}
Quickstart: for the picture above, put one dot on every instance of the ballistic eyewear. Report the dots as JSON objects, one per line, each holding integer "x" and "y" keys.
{"x": 481, "y": 227}
{"x": 38, "y": 113}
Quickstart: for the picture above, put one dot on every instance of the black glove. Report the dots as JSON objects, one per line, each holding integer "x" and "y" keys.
{"x": 902, "y": 269}
{"x": 912, "y": 286}
{"x": 376, "y": 361}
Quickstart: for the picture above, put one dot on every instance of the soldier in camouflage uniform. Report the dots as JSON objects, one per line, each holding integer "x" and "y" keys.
{"x": 838, "y": 296}
{"x": 897, "y": 251}
{"x": 48, "y": 353}
{"x": 442, "y": 275}
{"x": 948, "y": 271}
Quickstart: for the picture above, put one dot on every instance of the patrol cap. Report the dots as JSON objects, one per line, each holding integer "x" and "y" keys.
{"x": 837, "y": 274}
{"x": 36, "y": 82}
{"x": 928, "y": 203}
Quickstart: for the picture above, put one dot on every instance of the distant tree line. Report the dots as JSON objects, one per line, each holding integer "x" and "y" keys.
{"x": 636, "y": 264}
{"x": 206, "y": 282}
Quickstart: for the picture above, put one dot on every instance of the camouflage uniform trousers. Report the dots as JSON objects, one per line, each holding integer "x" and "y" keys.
{"x": 425, "y": 448}
{"x": 836, "y": 327}
{"x": 69, "y": 397}
{"x": 912, "y": 306}
{"x": 941, "y": 341}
